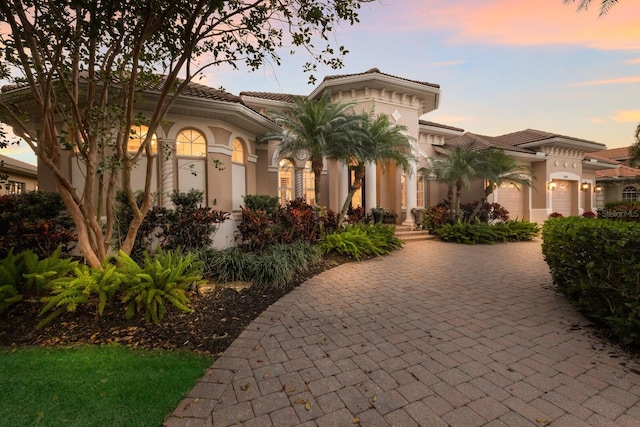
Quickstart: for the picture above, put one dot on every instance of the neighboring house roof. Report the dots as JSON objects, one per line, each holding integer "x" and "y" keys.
{"x": 622, "y": 172}
{"x": 377, "y": 71}
{"x": 9, "y": 164}
{"x": 620, "y": 154}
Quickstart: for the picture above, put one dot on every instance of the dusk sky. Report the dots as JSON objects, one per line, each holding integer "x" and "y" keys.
{"x": 502, "y": 65}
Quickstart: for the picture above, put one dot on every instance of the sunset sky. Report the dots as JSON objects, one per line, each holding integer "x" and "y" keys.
{"x": 502, "y": 65}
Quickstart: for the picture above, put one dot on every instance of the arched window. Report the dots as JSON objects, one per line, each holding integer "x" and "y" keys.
{"x": 309, "y": 189}
{"x": 285, "y": 181}
{"x": 630, "y": 194}
{"x": 191, "y": 142}
{"x": 137, "y": 137}
{"x": 238, "y": 151}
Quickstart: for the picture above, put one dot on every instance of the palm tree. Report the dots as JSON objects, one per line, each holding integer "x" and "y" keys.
{"x": 456, "y": 169}
{"x": 605, "y": 5}
{"x": 376, "y": 141}
{"x": 497, "y": 168}
{"x": 310, "y": 127}
{"x": 634, "y": 151}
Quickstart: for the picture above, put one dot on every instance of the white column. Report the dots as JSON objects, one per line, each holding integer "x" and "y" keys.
{"x": 167, "y": 172}
{"x": 370, "y": 186}
{"x": 343, "y": 184}
{"x": 299, "y": 183}
{"x": 412, "y": 194}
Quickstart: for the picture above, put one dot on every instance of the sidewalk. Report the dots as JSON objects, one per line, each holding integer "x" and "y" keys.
{"x": 436, "y": 334}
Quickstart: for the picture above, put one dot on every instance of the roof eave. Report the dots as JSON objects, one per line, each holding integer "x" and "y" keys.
{"x": 587, "y": 146}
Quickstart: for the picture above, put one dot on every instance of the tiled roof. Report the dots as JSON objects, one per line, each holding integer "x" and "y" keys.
{"x": 195, "y": 90}
{"x": 614, "y": 153}
{"x": 483, "y": 141}
{"x": 377, "y": 71}
{"x": 438, "y": 125}
{"x": 595, "y": 155}
{"x": 533, "y": 135}
{"x": 622, "y": 172}
{"x": 282, "y": 97}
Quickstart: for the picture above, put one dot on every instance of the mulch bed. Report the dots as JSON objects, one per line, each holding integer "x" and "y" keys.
{"x": 218, "y": 317}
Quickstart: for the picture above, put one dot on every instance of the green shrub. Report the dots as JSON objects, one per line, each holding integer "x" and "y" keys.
{"x": 67, "y": 293}
{"x": 260, "y": 228}
{"x": 226, "y": 265}
{"x": 190, "y": 225}
{"x": 39, "y": 272}
{"x": 261, "y": 202}
{"x": 36, "y": 221}
{"x": 596, "y": 264}
{"x": 361, "y": 240}
{"x": 11, "y": 269}
{"x": 163, "y": 279}
{"x": 273, "y": 267}
{"x": 480, "y": 233}
{"x": 621, "y": 211}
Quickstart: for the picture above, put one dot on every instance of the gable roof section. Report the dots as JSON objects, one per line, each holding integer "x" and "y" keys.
{"x": 427, "y": 94}
{"x": 532, "y": 139}
{"x": 483, "y": 141}
{"x": 374, "y": 71}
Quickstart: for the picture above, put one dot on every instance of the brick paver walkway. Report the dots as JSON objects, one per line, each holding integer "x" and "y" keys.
{"x": 435, "y": 334}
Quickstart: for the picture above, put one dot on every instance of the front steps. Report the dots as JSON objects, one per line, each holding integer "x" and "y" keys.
{"x": 404, "y": 233}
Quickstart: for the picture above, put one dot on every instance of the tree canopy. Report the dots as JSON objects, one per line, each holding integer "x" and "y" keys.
{"x": 311, "y": 127}
{"x": 80, "y": 68}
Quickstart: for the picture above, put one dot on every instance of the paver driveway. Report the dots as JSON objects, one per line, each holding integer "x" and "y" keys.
{"x": 435, "y": 334}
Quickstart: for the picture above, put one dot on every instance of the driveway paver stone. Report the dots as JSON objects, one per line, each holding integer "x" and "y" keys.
{"x": 435, "y": 334}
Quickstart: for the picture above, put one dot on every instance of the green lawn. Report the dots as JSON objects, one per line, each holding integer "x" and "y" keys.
{"x": 94, "y": 386}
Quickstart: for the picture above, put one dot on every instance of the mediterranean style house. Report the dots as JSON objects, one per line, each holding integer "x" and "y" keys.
{"x": 207, "y": 126}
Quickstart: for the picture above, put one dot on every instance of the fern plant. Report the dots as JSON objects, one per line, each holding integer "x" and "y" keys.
{"x": 10, "y": 279}
{"x": 163, "y": 279}
{"x": 362, "y": 240}
{"x": 67, "y": 293}
{"x": 39, "y": 272}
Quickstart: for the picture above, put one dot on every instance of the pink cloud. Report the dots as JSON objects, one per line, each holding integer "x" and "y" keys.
{"x": 626, "y": 116}
{"x": 621, "y": 80}
{"x": 518, "y": 22}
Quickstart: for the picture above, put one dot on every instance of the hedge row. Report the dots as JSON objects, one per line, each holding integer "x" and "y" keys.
{"x": 596, "y": 264}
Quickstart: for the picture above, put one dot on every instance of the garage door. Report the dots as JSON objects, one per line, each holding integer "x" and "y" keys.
{"x": 511, "y": 198}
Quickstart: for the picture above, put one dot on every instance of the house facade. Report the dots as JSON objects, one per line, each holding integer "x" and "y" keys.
{"x": 17, "y": 177}
{"x": 211, "y": 137}
{"x": 619, "y": 183}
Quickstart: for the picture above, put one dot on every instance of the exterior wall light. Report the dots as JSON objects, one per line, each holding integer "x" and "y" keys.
{"x": 584, "y": 186}
{"x": 552, "y": 186}
{"x": 597, "y": 188}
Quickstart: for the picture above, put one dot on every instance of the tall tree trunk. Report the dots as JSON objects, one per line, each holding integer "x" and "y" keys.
{"x": 316, "y": 167}
{"x": 359, "y": 172}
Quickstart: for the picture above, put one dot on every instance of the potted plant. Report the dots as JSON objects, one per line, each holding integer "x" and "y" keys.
{"x": 389, "y": 217}
{"x": 378, "y": 214}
